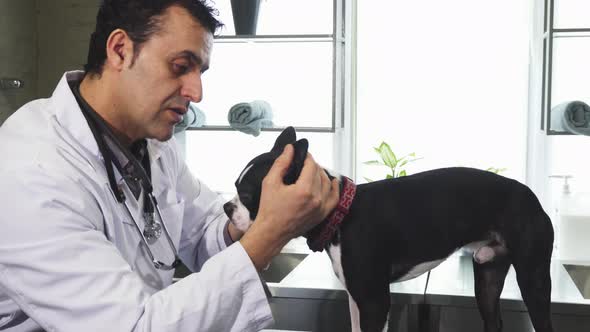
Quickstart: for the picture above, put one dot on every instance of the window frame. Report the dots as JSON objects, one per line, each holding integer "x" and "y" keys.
{"x": 340, "y": 44}
{"x": 550, "y": 33}
{"x": 344, "y": 76}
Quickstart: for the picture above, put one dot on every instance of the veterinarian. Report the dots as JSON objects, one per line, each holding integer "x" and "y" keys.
{"x": 98, "y": 207}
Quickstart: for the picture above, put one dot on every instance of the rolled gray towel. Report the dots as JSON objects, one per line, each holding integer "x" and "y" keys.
{"x": 571, "y": 116}
{"x": 193, "y": 118}
{"x": 250, "y": 117}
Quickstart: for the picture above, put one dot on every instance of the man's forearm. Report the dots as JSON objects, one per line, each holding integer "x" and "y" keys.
{"x": 262, "y": 244}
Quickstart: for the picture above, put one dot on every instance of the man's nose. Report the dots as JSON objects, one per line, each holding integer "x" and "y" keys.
{"x": 192, "y": 88}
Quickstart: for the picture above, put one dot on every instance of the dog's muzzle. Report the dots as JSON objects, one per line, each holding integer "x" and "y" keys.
{"x": 229, "y": 209}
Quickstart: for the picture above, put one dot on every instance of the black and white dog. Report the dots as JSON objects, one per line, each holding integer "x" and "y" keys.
{"x": 396, "y": 229}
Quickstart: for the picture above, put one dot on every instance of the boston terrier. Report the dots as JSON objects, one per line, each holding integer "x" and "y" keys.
{"x": 397, "y": 229}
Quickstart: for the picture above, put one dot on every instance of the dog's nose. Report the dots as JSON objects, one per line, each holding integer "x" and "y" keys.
{"x": 229, "y": 208}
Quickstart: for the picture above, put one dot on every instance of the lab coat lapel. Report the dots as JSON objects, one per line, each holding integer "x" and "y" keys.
{"x": 69, "y": 115}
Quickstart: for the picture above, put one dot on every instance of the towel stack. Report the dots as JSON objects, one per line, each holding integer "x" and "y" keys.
{"x": 249, "y": 118}
{"x": 193, "y": 118}
{"x": 571, "y": 116}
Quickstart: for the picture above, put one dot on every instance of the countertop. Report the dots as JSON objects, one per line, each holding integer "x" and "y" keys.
{"x": 450, "y": 283}
{"x": 314, "y": 278}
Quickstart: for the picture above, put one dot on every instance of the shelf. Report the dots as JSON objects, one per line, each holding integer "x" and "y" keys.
{"x": 276, "y": 129}
{"x": 571, "y": 33}
{"x": 274, "y": 38}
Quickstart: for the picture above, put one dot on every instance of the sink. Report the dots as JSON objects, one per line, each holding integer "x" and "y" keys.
{"x": 281, "y": 265}
{"x": 580, "y": 274}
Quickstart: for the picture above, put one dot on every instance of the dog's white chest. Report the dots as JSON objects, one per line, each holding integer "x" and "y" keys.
{"x": 335, "y": 257}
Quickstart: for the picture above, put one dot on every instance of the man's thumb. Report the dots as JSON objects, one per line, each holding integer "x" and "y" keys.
{"x": 281, "y": 165}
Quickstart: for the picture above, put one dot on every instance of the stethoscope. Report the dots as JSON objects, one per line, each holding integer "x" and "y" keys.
{"x": 133, "y": 172}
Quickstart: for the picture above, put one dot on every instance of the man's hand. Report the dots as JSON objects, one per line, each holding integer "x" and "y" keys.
{"x": 288, "y": 211}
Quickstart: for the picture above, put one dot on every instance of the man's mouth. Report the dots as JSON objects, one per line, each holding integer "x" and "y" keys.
{"x": 179, "y": 110}
{"x": 179, "y": 113}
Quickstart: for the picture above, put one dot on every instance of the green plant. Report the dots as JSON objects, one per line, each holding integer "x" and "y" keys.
{"x": 390, "y": 160}
{"x": 496, "y": 170}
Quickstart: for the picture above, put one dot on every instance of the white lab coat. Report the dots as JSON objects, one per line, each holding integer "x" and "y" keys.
{"x": 71, "y": 258}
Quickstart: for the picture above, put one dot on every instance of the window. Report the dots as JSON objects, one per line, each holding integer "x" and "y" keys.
{"x": 566, "y": 66}
{"x": 566, "y": 69}
{"x": 447, "y": 80}
{"x": 295, "y": 61}
{"x": 566, "y": 47}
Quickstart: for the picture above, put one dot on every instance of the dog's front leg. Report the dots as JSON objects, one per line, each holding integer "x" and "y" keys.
{"x": 354, "y": 315}
{"x": 355, "y": 320}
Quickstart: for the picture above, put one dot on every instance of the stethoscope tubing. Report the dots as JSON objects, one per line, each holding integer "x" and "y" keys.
{"x": 157, "y": 264}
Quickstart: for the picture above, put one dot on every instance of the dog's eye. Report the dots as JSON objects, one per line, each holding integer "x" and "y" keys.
{"x": 244, "y": 197}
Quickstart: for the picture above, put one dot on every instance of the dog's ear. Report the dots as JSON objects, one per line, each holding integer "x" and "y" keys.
{"x": 288, "y": 136}
{"x": 298, "y": 159}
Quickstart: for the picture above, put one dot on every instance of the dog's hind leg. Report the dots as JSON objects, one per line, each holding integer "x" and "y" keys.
{"x": 533, "y": 273}
{"x": 534, "y": 281}
{"x": 489, "y": 282}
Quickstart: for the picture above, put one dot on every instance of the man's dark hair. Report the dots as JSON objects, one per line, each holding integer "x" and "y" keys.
{"x": 140, "y": 20}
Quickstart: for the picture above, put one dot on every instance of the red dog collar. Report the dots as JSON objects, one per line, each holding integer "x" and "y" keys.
{"x": 318, "y": 242}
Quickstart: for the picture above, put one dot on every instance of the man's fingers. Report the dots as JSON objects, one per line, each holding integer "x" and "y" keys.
{"x": 281, "y": 165}
{"x": 335, "y": 191}
{"x": 334, "y": 197}
{"x": 326, "y": 185}
{"x": 309, "y": 172}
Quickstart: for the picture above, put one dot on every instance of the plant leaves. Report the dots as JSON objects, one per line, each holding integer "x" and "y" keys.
{"x": 496, "y": 170}
{"x": 387, "y": 155}
{"x": 389, "y": 159}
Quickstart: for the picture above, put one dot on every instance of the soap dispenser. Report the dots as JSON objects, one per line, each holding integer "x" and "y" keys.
{"x": 573, "y": 223}
{"x": 565, "y": 189}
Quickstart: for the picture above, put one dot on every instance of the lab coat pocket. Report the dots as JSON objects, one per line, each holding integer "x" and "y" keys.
{"x": 120, "y": 227}
{"x": 172, "y": 217}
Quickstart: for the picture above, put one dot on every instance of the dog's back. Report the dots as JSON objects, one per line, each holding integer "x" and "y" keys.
{"x": 428, "y": 215}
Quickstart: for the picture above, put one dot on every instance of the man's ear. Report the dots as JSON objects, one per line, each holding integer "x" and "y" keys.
{"x": 298, "y": 159}
{"x": 288, "y": 136}
{"x": 119, "y": 50}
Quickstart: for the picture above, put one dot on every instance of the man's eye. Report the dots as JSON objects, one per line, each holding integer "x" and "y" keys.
{"x": 179, "y": 69}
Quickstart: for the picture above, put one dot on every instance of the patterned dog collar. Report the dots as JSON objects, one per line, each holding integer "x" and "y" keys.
{"x": 317, "y": 243}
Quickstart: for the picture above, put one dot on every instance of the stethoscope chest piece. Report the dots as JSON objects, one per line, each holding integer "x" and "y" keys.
{"x": 152, "y": 230}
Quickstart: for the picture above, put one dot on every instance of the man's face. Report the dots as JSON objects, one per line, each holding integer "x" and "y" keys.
{"x": 154, "y": 92}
